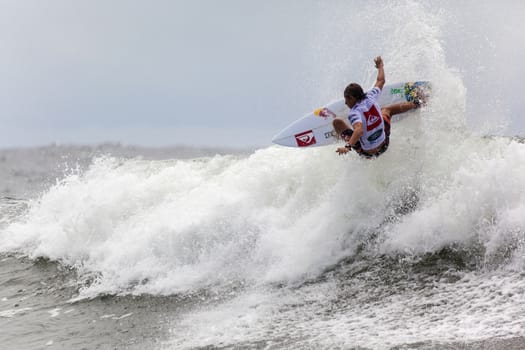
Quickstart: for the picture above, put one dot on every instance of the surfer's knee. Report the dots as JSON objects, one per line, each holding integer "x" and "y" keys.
{"x": 386, "y": 111}
{"x": 339, "y": 125}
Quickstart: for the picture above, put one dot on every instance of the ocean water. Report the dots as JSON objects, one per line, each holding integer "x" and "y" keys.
{"x": 272, "y": 248}
{"x": 115, "y": 247}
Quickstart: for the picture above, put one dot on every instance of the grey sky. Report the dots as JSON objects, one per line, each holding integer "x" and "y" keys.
{"x": 215, "y": 73}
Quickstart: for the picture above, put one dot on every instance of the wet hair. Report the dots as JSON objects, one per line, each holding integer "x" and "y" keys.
{"x": 356, "y": 91}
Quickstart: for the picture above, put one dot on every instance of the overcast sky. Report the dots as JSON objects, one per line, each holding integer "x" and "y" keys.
{"x": 216, "y": 73}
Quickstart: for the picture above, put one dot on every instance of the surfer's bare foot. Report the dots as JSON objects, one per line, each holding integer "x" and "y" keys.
{"x": 417, "y": 93}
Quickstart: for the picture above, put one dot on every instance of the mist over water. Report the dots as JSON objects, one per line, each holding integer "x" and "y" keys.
{"x": 303, "y": 248}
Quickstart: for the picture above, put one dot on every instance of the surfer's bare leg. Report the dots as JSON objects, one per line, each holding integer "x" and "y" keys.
{"x": 398, "y": 108}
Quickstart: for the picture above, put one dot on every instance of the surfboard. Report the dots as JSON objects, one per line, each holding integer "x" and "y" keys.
{"x": 315, "y": 129}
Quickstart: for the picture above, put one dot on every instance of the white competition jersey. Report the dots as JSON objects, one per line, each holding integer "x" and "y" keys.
{"x": 368, "y": 113}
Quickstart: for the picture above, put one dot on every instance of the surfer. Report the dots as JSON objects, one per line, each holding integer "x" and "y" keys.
{"x": 370, "y": 123}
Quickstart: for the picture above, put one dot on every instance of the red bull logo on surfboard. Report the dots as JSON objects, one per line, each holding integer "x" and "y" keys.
{"x": 325, "y": 113}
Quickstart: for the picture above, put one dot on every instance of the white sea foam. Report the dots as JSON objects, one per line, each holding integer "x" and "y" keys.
{"x": 174, "y": 226}
{"x": 13, "y": 312}
{"x": 55, "y": 312}
{"x": 475, "y": 308}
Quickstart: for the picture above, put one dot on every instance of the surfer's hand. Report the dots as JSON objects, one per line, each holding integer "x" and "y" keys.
{"x": 342, "y": 150}
{"x": 378, "y": 61}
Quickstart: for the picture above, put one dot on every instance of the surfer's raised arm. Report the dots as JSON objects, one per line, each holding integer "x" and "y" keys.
{"x": 380, "y": 80}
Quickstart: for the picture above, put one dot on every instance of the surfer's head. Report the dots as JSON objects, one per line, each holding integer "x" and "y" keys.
{"x": 353, "y": 94}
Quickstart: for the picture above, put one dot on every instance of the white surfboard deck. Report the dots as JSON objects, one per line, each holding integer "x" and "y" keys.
{"x": 315, "y": 129}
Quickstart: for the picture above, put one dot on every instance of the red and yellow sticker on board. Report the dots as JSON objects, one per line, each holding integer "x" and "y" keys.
{"x": 324, "y": 113}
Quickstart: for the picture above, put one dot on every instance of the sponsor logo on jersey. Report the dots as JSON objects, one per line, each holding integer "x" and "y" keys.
{"x": 373, "y": 118}
{"x": 305, "y": 139}
{"x": 325, "y": 113}
{"x": 375, "y": 135}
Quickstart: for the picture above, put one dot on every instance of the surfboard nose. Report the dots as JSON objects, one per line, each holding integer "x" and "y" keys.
{"x": 283, "y": 139}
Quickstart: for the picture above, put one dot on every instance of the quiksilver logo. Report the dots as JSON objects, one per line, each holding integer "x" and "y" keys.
{"x": 305, "y": 139}
{"x": 372, "y": 119}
